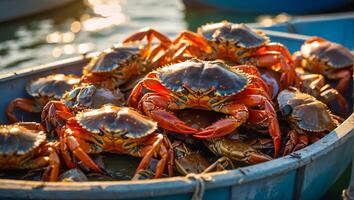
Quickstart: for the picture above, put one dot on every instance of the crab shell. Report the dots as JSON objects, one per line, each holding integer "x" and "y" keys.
{"x": 233, "y": 149}
{"x": 115, "y": 61}
{"x": 187, "y": 161}
{"x": 90, "y": 96}
{"x": 239, "y": 34}
{"x": 304, "y": 112}
{"x": 113, "y": 121}
{"x": 333, "y": 55}
{"x": 19, "y": 142}
{"x": 52, "y": 86}
{"x": 202, "y": 76}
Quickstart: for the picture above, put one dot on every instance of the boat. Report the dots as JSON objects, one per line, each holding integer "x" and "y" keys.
{"x": 15, "y": 9}
{"x": 305, "y": 174}
{"x": 270, "y": 6}
{"x": 336, "y": 27}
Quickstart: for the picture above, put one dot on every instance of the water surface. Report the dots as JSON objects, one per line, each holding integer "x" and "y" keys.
{"x": 93, "y": 25}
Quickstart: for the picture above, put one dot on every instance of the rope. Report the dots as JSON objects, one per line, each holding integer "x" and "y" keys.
{"x": 200, "y": 184}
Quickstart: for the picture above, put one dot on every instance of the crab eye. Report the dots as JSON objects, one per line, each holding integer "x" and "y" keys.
{"x": 286, "y": 110}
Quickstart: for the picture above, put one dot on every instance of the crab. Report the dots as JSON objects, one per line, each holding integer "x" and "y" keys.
{"x": 332, "y": 60}
{"x": 309, "y": 118}
{"x": 42, "y": 90}
{"x": 111, "y": 129}
{"x": 208, "y": 85}
{"x": 188, "y": 161}
{"x": 237, "y": 43}
{"x": 91, "y": 97}
{"x": 80, "y": 98}
{"x": 315, "y": 85}
{"x": 117, "y": 65}
{"x": 236, "y": 150}
{"x": 24, "y": 146}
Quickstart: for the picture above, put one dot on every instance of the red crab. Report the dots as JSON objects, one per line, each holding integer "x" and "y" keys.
{"x": 110, "y": 129}
{"x": 237, "y": 43}
{"x": 334, "y": 61}
{"x": 208, "y": 85}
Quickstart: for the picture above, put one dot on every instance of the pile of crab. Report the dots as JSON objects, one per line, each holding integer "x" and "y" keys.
{"x": 214, "y": 100}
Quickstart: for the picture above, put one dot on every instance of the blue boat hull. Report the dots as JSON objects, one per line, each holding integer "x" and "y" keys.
{"x": 307, "y": 174}
{"x": 271, "y": 6}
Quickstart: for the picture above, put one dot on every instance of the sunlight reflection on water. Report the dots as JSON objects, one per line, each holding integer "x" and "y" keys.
{"x": 87, "y": 26}
{"x": 93, "y": 25}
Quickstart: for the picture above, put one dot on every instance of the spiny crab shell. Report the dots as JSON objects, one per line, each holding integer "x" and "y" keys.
{"x": 305, "y": 112}
{"x": 113, "y": 121}
{"x": 90, "y": 96}
{"x": 52, "y": 86}
{"x": 332, "y": 54}
{"x": 19, "y": 142}
{"x": 201, "y": 76}
{"x": 238, "y": 34}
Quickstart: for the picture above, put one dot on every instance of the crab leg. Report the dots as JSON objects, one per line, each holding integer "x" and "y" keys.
{"x": 47, "y": 157}
{"x": 185, "y": 51}
{"x": 268, "y": 59}
{"x": 156, "y": 106}
{"x": 296, "y": 141}
{"x": 28, "y": 105}
{"x": 150, "y": 82}
{"x": 54, "y": 164}
{"x": 344, "y": 77}
{"x": 55, "y": 113}
{"x": 75, "y": 147}
{"x": 195, "y": 39}
{"x": 277, "y": 47}
{"x": 238, "y": 115}
{"x": 274, "y": 130}
{"x": 149, "y": 33}
{"x": 249, "y": 69}
{"x": 315, "y": 83}
{"x": 219, "y": 165}
{"x": 159, "y": 145}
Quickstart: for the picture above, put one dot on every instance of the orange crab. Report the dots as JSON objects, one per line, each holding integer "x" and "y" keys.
{"x": 115, "y": 66}
{"x": 237, "y": 43}
{"x": 110, "y": 129}
{"x": 208, "y": 85}
{"x": 332, "y": 60}
{"x": 24, "y": 146}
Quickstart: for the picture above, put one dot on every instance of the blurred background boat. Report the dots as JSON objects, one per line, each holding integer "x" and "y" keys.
{"x": 271, "y": 6}
{"x": 15, "y": 9}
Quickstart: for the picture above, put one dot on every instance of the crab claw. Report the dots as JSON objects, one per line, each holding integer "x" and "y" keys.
{"x": 219, "y": 128}
{"x": 256, "y": 157}
{"x": 238, "y": 115}
{"x": 155, "y": 106}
